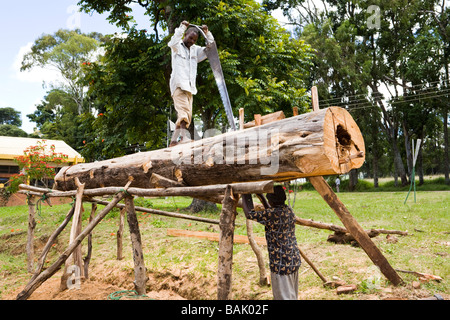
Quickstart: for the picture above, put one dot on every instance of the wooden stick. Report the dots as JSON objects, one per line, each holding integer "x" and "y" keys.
{"x": 338, "y": 229}
{"x": 160, "y": 212}
{"x": 120, "y": 234}
{"x": 30, "y": 234}
{"x": 76, "y": 257}
{"x": 355, "y": 229}
{"x": 212, "y": 236}
{"x": 238, "y": 188}
{"x": 87, "y": 258}
{"x": 263, "y": 279}
{"x": 312, "y": 265}
{"x": 315, "y": 99}
{"x": 162, "y": 182}
{"x": 47, "y": 273}
{"x": 51, "y": 240}
{"x": 225, "y": 265}
{"x": 140, "y": 272}
{"x": 241, "y": 118}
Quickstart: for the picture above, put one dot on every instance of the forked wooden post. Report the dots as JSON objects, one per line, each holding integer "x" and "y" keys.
{"x": 355, "y": 229}
{"x": 226, "y": 238}
{"x": 140, "y": 272}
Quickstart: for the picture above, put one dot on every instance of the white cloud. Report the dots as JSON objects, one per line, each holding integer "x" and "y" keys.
{"x": 35, "y": 74}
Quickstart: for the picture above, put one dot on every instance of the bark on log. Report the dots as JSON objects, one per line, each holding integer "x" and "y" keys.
{"x": 313, "y": 144}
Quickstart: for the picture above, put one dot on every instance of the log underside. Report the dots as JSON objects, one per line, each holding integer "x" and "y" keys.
{"x": 315, "y": 144}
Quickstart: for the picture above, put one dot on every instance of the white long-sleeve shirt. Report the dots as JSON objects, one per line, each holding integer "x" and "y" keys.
{"x": 184, "y": 61}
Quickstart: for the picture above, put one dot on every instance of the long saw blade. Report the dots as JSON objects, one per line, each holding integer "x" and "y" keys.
{"x": 213, "y": 57}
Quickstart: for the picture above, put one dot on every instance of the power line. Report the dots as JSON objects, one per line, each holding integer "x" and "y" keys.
{"x": 377, "y": 94}
{"x": 420, "y": 95}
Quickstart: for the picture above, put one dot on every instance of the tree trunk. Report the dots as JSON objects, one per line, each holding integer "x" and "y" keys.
{"x": 198, "y": 205}
{"x": 325, "y": 142}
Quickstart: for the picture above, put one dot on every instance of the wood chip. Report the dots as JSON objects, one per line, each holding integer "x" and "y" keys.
{"x": 346, "y": 289}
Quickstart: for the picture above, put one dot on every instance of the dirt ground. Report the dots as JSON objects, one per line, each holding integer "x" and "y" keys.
{"x": 115, "y": 276}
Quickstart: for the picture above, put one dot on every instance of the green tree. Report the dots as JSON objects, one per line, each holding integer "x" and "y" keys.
{"x": 57, "y": 117}
{"x": 406, "y": 51}
{"x": 265, "y": 70}
{"x": 10, "y": 116}
{"x": 37, "y": 163}
{"x": 12, "y": 131}
{"x": 65, "y": 51}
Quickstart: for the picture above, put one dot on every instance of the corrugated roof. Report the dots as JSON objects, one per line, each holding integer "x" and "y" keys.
{"x": 11, "y": 147}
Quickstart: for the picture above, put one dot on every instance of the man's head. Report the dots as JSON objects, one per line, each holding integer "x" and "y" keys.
{"x": 277, "y": 198}
{"x": 190, "y": 37}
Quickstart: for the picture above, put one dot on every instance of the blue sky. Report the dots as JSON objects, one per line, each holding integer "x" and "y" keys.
{"x": 21, "y": 24}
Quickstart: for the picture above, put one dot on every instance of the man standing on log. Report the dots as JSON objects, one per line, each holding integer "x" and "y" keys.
{"x": 185, "y": 57}
{"x": 284, "y": 256}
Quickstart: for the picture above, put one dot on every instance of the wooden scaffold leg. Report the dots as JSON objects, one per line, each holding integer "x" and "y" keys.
{"x": 226, "y": 238}
{"x": 140, "y": 272}
{"x": 30, "y": 235}
{"x": 355, "y": 229}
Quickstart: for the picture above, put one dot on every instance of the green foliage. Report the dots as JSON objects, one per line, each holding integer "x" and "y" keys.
{"x": 56, "y": 117}
{"x": 10, "y": 116}
{"x": 264, "y": 68}
{"x": 10, "y": 130}
{"x": 407, "y": 52}
{"x": 64, "y": 51}
{"x": 37, "y": 163}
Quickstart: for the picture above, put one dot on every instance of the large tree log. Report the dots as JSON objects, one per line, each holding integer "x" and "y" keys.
{"x": 320, "y": 143}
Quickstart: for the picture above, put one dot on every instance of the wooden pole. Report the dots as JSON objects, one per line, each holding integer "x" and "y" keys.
{"x": 315, "y": 99}
{"x": 188, "y": 191}
{"x": 87, "y": 258}
{"x": 355, "y": 229}
{"x": 140, "y": 272}
{"x": 75, "y": 259}
{"x": 312, "y": 265}
{"x": 263, "y": 279}
{"x": 50, "y": 242}
{"x": 120, "y": 235}
{"x": 225, "y": 265}
{"x": 30, "y": 233}
{"x": 51, "y": 270}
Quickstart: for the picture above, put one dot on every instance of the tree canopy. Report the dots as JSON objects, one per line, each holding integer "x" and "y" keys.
{"x": 264, "y": 68}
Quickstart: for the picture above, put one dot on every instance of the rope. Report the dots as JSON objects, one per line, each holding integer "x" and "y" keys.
{"x": 124, "y": 191}
{"x": 117, "y": 295}
{"x": 413, "y": 183}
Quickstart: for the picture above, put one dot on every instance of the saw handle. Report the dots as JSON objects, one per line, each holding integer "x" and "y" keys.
{"x": 201, "y": 31}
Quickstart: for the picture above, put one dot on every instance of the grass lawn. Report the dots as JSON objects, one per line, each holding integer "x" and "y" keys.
{"x": 187, "y": 267}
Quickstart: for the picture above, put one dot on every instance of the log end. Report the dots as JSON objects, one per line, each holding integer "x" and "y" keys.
{"x": 343, "y": 141}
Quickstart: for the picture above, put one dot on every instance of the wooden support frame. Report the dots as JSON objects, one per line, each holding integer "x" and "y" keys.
{"x": 226, "y": 238}
{"x": 140, "y": 272}
{"x": 35, "y": 282}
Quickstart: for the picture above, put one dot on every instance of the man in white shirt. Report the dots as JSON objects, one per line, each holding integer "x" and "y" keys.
{"x": 185, "y": 57}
